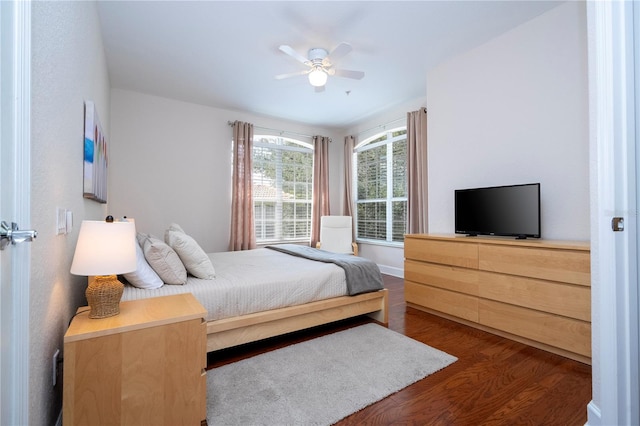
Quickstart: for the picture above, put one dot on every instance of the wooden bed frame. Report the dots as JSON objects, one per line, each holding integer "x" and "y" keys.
{"x": 229, "y": 332}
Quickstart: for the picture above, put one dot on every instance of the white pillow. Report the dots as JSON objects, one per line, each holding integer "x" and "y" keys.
{"x": 165, "y": 261}
{"x": 176, "y": 227}
{"x": 193, "y": 257}
{"x": 142, "y": 238}
{"x": 144, "y": 276}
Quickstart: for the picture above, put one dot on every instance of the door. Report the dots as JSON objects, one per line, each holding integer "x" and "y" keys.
{"x": 15, "y": 54}
{"x": 635, "y": 392}
{"x": 615, "y": 129}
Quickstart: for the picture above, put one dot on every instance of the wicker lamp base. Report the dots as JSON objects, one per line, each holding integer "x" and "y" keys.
{"x": 104, "y": 294}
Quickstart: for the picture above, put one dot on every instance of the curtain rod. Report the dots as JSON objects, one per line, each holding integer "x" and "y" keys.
{"x": 280, "y": 132}
{"x": 380, "y": 126}
{"x": 383, "y": 126}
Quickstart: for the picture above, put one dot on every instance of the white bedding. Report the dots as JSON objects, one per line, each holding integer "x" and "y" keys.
{"x": 254, "y": 281}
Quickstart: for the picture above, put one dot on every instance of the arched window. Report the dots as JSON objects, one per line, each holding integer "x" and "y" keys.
{"x": 282, "y": 186}
{"x": 381, "y": 187}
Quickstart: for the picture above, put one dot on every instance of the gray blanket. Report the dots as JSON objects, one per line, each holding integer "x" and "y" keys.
{"x": 362, "y": 275}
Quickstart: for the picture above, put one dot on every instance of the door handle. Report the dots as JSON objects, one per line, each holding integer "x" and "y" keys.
{"x": 11, "y": 234}
{"x": 617, "y": 224}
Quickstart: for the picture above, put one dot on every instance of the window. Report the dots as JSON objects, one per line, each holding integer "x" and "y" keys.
{"x": 282, "y": 186}
{"x": 381, "y": 187}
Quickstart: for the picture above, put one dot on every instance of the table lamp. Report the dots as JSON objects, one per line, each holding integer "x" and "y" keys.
{"x": 104, "y": 249}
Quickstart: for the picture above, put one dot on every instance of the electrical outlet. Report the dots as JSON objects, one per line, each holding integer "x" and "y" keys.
{"x": 55, "y": 366}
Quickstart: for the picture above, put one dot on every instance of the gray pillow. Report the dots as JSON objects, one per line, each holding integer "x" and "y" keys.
{"x": 191, "y": 254}
{"x": 164, "y": 260}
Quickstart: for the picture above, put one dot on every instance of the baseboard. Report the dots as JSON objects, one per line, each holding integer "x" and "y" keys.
{"x": 393, "y": 271}
{"x": 594, "y": 417}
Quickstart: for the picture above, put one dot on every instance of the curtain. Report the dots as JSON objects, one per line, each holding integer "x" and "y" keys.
{"x": 243, "y": 235}
{"x": 320, "y": 197}
{"x": 417, "y": 172}
{"x": 349, "y": 144}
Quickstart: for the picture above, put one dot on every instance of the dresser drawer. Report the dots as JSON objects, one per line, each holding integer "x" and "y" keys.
{"x": 555, "y": 265}
{"x": 568, "y": 300}
{"x": 451, "y": 253}
{"x": 441, "y": 276}
{"x": 560, "y": 332}
{"x": 448, "y": 302}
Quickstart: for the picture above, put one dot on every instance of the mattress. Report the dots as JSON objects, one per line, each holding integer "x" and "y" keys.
{"x": 253, "y": 281}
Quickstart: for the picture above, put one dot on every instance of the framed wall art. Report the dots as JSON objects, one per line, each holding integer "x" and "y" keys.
{"x": 95, "y": 156}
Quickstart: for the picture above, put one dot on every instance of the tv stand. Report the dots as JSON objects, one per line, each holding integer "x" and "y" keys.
{"x": 533, "y": 291}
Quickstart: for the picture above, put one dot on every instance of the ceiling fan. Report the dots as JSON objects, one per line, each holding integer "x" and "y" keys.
{"x": 320, "y": 65}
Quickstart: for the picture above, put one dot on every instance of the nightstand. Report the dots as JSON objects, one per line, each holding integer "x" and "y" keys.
{"x": 143, "y": 366}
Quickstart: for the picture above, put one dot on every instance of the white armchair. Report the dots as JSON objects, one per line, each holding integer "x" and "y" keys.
{"x": 336, "y": 235}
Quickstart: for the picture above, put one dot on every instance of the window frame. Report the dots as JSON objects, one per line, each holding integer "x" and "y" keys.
{"x": 367, "y": 145}
{"x": 299, "y": 146}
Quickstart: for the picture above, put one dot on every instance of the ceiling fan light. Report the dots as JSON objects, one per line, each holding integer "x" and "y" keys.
{"x": 317, "y": 77}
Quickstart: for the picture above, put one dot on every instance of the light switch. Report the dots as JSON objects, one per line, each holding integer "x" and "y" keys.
{"x": 69, "y": 215}
{"x": 61, "y": 221}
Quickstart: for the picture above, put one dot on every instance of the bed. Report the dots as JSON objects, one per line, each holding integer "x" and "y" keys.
{"x": 261, "y": 293}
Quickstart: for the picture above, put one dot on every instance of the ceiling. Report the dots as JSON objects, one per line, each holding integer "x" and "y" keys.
{"x": 225, "y": 53}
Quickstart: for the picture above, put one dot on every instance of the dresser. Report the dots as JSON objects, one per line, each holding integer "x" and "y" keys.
{"x": 534, "y": 291}
{"x": 143, "y": 366}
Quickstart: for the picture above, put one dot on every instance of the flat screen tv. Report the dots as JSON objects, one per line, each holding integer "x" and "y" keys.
{"x": 512, "y": 210}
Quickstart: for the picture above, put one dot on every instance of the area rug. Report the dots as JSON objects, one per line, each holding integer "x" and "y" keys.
{"x": 320, "y": 381}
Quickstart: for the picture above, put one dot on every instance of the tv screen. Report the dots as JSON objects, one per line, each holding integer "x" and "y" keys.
{"x": 499, "y": 210}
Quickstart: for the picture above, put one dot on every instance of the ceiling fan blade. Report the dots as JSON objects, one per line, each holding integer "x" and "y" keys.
{"x": 349, "y": 74}
{"x": 337, "y": 53}
{"x": 295, "y": 55}
{"x": 319, "y": 89}
{"x": 291, "y": 74}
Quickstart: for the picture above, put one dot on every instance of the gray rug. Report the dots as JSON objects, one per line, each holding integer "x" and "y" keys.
{"x": 319, "y": 381}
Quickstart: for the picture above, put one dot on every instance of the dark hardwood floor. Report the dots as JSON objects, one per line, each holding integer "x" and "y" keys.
{"x": 495, "y": 381}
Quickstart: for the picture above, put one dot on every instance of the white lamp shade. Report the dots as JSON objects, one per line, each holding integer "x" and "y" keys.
{"x": 317, "y": 77}
{"x": 105, "y": 248}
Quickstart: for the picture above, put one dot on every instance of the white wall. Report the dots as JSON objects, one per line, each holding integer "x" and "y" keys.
{"x": 68, "y": 67}
{"x": 514, "y": 110}
{"x": 171, "y": 162}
